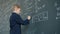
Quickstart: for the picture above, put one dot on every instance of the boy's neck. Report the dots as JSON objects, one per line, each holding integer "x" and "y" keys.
{"x": 16, "y": 12}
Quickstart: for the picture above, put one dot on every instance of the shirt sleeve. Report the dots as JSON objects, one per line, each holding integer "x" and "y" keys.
{"x": 20, "y": 21}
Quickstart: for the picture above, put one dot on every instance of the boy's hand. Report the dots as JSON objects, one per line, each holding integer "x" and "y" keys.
{"x": 29, "y": 17}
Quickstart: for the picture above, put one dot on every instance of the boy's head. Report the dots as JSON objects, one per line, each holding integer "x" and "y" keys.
{"x": 16, "y": 8}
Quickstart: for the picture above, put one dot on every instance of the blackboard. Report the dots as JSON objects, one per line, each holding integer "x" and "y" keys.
{"x": 45, "y": 16}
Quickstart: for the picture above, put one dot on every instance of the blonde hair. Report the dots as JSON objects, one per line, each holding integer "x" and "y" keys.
{"x": 16, "y": 5}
